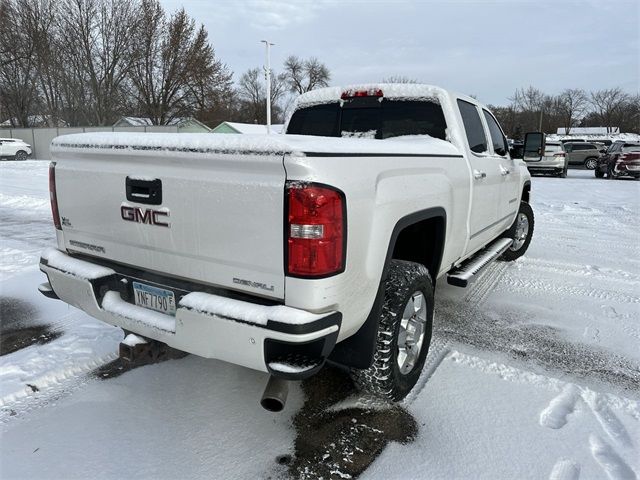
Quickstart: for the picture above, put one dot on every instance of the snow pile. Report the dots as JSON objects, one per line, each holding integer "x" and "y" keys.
{"x": 247, "y": 312}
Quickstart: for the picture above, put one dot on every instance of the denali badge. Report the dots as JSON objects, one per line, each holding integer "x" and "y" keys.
{"x": 249, "y": 283}
{"x": 147, "y": 215}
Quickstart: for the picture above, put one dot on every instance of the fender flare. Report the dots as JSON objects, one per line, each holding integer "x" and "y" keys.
{"x": 357, "y": 350}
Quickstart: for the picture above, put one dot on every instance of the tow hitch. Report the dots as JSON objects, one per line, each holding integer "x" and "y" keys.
{"x": 137, "y": 351}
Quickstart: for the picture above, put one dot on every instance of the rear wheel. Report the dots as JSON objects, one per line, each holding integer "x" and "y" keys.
{"x": 520, "y": 232}
{"x": 599, "y": 173}
{"x": 591, "y": 163}
{"x": 404, "y": 333}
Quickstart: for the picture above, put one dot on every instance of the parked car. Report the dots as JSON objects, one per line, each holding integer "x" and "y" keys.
{"x": 14, "y": 148}
{"x": 582, "y": 153}
{"x": 554, "y": 161}
{"x": 280, "y": 254}
{"x": 622, "y": 159}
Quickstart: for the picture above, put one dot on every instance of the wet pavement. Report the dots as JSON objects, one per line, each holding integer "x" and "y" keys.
{"x": 18, "y": 327}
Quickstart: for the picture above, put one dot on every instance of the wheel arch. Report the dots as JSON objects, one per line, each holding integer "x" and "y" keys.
{"x": 357, "y": 351}
{"x": 526, "y": 191}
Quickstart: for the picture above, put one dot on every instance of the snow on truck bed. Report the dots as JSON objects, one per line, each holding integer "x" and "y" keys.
{"x": 181, "y": 144}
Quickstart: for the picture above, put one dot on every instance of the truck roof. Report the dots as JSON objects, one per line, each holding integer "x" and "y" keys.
{"x": 407, "y": 91}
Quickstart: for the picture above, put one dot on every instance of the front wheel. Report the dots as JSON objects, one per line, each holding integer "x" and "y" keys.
{"x": 520, "y": 232}
{"x": 598, "y": 173}
{"x": 590, "y": 163}
{"x": 404, "y": 333}
{"x": 21, "y": 155}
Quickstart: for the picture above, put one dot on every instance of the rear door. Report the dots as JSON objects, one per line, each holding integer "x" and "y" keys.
{"x": 486, "y": 179}
{"x": 510, "y": 184}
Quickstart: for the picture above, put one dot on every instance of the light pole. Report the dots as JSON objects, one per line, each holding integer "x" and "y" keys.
{"x": 268, "y": 76}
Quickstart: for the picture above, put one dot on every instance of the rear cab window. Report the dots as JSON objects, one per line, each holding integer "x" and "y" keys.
{"x": 552, "y": 148}
{"x": 370, "y": 117}
{"x": 473, "y": 127}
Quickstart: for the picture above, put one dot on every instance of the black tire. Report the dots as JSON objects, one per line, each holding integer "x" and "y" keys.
{"x": 20, "y": 155}
{"x": 598, "y": 173}
{"x": 590, "y": 163}
{"x": 516, "y": 251}
{"x": 563, "y": 173}
{"x": 384, "y": 377}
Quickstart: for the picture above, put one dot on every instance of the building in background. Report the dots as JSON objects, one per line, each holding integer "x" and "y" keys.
{"x": 184, "y": 124}
{"x": 246, "y": 128}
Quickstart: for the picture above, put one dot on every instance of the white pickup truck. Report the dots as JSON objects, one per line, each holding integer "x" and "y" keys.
{"x": 281, "y": 253}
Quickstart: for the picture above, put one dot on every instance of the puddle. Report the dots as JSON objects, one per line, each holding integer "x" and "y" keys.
{"x": 342, "y": 443}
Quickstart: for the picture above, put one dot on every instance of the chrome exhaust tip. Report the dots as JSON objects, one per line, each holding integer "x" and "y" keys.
{"x": 275, "y": 394}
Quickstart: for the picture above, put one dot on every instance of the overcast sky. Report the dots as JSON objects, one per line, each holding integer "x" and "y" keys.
{"x": 484, "y": 48}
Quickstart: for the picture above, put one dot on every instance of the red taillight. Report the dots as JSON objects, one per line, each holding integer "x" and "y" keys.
{"x": 560, "y": 154}
{"x": 630, "y": 156}
{"x": 53, "y": 197}
{"x": 316, "y": 230}
{"x": 361, "y": 93}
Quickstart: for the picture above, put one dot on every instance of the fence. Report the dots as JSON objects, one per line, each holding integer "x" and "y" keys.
{"x": 40, "y": 138}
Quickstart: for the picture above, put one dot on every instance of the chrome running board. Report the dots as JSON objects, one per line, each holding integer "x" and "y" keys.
{"x": 466, "y": 273}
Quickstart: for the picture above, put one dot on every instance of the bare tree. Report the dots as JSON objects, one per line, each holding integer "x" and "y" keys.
{"x": 572, "y": 104}
{"x": 304, "y": 75}
{"x": 18, "y": 72}
{"x": 399, "y": 79}
{"x": 607, "y": 105}
{"x": 176, "y": 72}
{"x": 99, "y": 40}
{"x": 253, "y": 95}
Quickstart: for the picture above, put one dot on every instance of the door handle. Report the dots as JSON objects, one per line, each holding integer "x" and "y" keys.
{"x": 504, "y": 171}
{"x": 477, "y": 174}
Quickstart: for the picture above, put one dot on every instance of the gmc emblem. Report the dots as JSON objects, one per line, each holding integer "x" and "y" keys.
{"x": 147, "y": 215}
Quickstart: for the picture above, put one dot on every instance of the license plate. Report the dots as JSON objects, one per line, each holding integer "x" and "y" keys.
{"x": 154, "y": 298}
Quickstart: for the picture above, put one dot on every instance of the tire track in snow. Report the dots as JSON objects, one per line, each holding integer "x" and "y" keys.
{"x": 529, "y": 286}
{"x": 51, "y": 387}
{"x": 580, "y": 271}
{"x": 481, "y": 288}
{"x": 438, "y": 351}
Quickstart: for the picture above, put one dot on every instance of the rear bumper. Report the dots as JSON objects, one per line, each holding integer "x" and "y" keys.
{"x": 545, "y": 168}
{"x": 284, "y": 341}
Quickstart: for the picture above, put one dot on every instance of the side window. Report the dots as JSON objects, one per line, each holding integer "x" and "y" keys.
{"x": 497, "y": 138}
{"x": 473, "y": 127}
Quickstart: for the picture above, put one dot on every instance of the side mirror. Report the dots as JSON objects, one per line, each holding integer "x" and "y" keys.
{"x": 534, "y": 145}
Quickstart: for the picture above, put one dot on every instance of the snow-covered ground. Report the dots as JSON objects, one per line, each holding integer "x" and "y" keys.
{"x": 534, "y": 371}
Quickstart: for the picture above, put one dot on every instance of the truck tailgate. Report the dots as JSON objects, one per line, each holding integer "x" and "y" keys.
{"x": 219, "y": 221}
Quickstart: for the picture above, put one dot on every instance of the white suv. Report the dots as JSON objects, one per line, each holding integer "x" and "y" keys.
{"x": 14, "y": 148}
